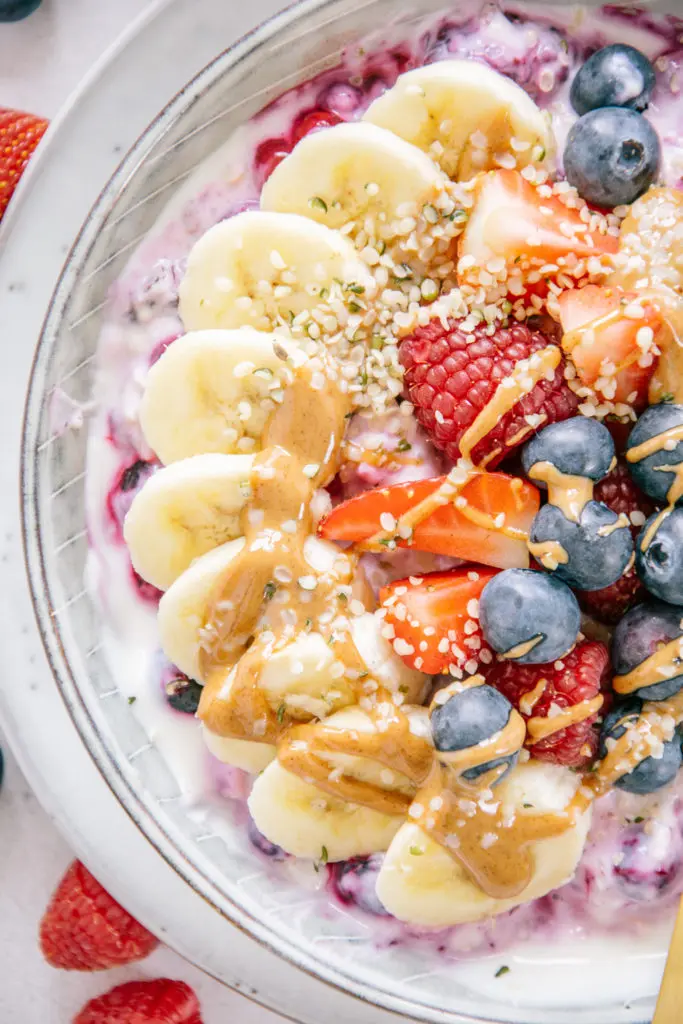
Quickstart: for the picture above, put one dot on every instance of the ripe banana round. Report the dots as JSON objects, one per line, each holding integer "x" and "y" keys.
{"x": 212, "y": 391}
{"x": 245, "y": 754}
{"x": 467, "y": 116}
{"x": 184, "y": 610}
{"x": 185, "y": 510}
{"x": 260, "y": 269}
{"x": 302, "y": 819}
{"x": 350, "y": 171}
{"x": 382, "y": 662}
{"x": 421, "y": 883}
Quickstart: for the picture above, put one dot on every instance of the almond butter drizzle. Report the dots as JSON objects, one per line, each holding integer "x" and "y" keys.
{"x": 519, "y": 650}
{"x": 675, "y": 493}
{"x": 529, "y": 701}
{"x": 622, "y": 521}
{"x": 664, "y": 664}
{"x": 549, "y": 553}
{"x": 569, "y": 493}
{"x": 540, "y": 728}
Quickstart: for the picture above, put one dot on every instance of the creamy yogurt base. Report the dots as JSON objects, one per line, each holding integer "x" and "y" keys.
{"x": 631, "y": 873}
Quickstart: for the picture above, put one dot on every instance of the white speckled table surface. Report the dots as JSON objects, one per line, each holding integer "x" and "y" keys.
{"x": 42, "y": 60}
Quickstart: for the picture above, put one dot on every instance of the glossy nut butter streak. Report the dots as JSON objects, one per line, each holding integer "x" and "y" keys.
{"x": 665, "y": 663}
{"x": 569, "y": 493}
{"x": 655, "y": 444}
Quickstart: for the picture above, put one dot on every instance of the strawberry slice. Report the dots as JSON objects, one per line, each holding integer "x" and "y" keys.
{"x": 533, "y": 237}
{"x": 489, "y": 504}
{"x": 435, "y": 619}
{"x": 613, "y": 351}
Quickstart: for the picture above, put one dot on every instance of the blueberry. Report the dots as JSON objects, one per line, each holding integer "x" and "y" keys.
{"x": 653, "y": 772}
{"x": 616, "y": 76}
{"x": 519, "y": 607}
{"x": 612, "y": 156}
{"x": 469, "y": 718}
{"x": 649, "y": 863}
{"x": 647, "y": 472}
{"x": 577, "y": 447}
{"x": 659, "y": 556}
{"x": 597, "y": 550}
{"x": 641, "y": 633}
{"x": 353, "y": 882}
{"x": 15, "y": 10}
{"x": 183, "y": 695}
{"x": 264, "y": 845}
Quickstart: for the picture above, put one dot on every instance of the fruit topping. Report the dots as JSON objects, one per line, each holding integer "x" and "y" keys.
{"x": 575, "y": 447}
{"x": 647, "y": 653}
{"x": 651, "y": 242}
{"x": 124, "y": 489}
{"x": 19, "y": 135}
{"x": 15, "y": 10}
{"x": 529, "y": 617}
{"x": 619, "y": 492}
{"x": 615, "y": 76}
{"x": 610, "y": 337}
{"x": 183, "y": 695}
{"x": 473, "y": 717}
{"x": 160, "y": 1001}
{"x": 656, "y": 761}
{"x": 482, "y": 394}
{"x": 85, "y": 929}
{"x": 659, "y": 555}
{"x": 435, "y": 620}
{"x": 313, "y": 121}
{"x": 524, "y": 236}
{"x": 353, "y": 883}
{"x": 654, "y": 445}
{"x": 485, "y": 519}
{"x": 612, "y": 156}
{"x": 560, "y": 702}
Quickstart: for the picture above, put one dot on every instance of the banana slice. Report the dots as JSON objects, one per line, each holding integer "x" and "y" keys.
{"x": 262, "y": 269}
{"x": 421, "y": 883}
{"x": 351, "y": 171}
{"x": 184, "y": 608}
{"x": 382, "y": 662}
{"x": 466, "y": 115}
{"x": 245, "y": 754}
{"x": 302, "y": 819}
{"x": 185, "y": 510}
{"x": 301, "y": 677}
{"x": 212, "y": 391}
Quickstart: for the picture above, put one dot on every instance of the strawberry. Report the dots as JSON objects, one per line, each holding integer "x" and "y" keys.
{"x": 613, "y": 352}
{"x": 619, "y": 492}
{"x": 452, "y": 375}
{"x": 269, "y": 154}
{"x": 312, "y": 122}
{"x": 542, "y": 691}
{"x": 19, "y": 135}
{"x": 449, "y": 530}
{"x": 524, "y": 238}
{"x": 161, "y": 1001}
{"x": 435, "y": 619}
{"x": 85, "y": 929}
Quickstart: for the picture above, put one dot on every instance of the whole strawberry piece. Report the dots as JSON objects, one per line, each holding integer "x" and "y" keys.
{"x": 84, "y": 929}
{"x": 544, "y": 692}
{"x": 143, "y": 1002}
{"x": 19, "y": 135}
{"x": 451, "y": 375}
{"x": 619, "y": 492}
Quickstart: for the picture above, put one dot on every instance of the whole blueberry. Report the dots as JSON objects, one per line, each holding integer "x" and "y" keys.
{"x": 15, "y": 10}
{"x": 612, "y": 156}
{"x": 615, "y": 76}
{"x": 530, "y": 616}
{"x": 183, "y": 695}
{"x": 469, "y": 718}
{"x": 659, "y": 556}
{"x": 353, "y": 882}
{"x": 656, "y": 422}
{"x": 640, "y": 634}
{"x": 577, "y": 447}
{"x": 263, "y": 845}
{"x": 653, "y": 772}
{"x": 597, "y": 548}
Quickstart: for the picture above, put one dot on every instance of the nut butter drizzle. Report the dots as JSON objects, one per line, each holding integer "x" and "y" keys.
{"x": 650, "y": 447}
{"x": 664, "y": 664}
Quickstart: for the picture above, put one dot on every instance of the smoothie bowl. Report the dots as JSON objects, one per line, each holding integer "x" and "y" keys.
{"x": 358, "y": 506}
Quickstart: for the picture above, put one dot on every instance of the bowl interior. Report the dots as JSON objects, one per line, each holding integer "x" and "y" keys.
{"x": 220, "y": 865}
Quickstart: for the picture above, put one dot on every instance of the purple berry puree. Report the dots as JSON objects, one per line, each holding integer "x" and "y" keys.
{"x": 632, "y": 868}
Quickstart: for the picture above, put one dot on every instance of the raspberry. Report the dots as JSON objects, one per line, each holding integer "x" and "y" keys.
{"x": 452, "y": 375}
{"x": 618, "y": 492}
{"x": 312, "y": 122}
{"x": 580, "y": 676}
{"x": 161, "y": 1001}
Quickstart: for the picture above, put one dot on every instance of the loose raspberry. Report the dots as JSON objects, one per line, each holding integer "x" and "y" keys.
{"x": 619, "y": 492}
{"x": 549, "y": 689}
{"x": 161, "y": 1001}
{"x": 451, "y": 375}
{"x": 85, "y": 929}
{"x": 313, "y": 121}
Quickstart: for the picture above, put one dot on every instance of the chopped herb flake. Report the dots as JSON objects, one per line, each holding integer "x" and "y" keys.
{"x": 324, "y": 855}
{"x": 316, "y": 203}
{"x": 668, "y": 396}
{"x": 131, "y": 700}
{"x": 281, "y": 712}
{"x": 269, "y": 591}
{"x": 501, "y": 971}
{"x": 403, "y": 445}
{"x": 357, "y": 289}
{"x": 416, "y": 851}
